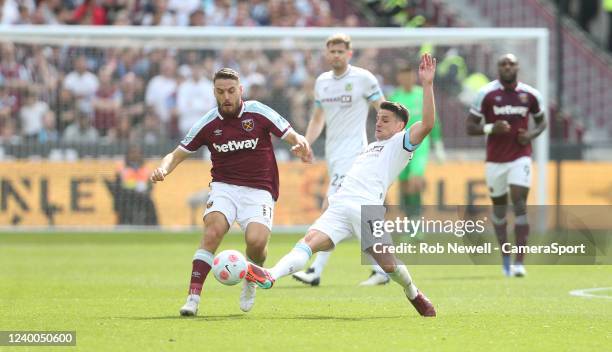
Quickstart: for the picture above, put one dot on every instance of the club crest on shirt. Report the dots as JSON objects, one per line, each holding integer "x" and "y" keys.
{"x": 348, "y": 87}
{"x": 248, "y": 125}
{"x": 524, "y": 98}
{"x": 209, "y": 204}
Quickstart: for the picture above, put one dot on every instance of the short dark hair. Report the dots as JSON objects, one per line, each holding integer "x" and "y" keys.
{"x": 407, "y": 67}
{"x": 226, "y": 73}
{"x": 398, "y": 109}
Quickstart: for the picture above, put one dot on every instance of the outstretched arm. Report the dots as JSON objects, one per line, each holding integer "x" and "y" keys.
{"x": 168, "y": 163}
{"x": 427, "y": 71}
{"x": 300, "y": 146}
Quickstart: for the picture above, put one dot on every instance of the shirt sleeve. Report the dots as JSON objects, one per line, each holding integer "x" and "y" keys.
{"x": 277, "y": 125}
{"x": 477, "y": 107}
{"x": 372, "y": 91}
{"x": 537, "y": 104}
{"x": 317, "y": 96}
{"x": 196, "y": 137}
{"x": 406, "y": 141}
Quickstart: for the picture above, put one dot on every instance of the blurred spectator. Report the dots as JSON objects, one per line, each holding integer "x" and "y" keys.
{"x": 161, "y": 91}
{"x": 132, "y": 96}
{"x": 122, "y": 18}
{"x": 131, "y": 191}
{"x": 41, "y": 71}
{"x": 183, "y": 10}
{"x": 123, "y": 132}
{"x": 220, "y": 13}
{"x": 158, "y": 14}
{"x": 243, "y": 16}
{"x": 302, "y": 101}
{"x": 8, "y": 132}
{"x": 197, "y": 18}
{"x": 10, "y": 12}
{"x": 259, "y": 12}
{"x": 24, "y": 15}
{"x": 278, "y": 99}
{"x": 152, "y": 132}
{"x": 451, "y": 72}
{"x": 195, "y": 98}
{"x": 8, "y": 103}
{"x": 256, "y": 87}
{"x": 89, "y": 12}
{"x": 14, "y": 74}
{"x": 81, "y": 131}
{"x": 49, "y": 133}
{"x": 32, "y": 114}
{"x": 471, "y": 86}
{"x": 81, "y": 83}
{"x": 106, "y": 104}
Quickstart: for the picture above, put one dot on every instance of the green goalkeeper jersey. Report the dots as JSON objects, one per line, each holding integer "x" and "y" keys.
{"x": 413, "y": 100}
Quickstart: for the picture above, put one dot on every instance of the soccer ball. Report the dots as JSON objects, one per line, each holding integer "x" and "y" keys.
{"x": 229, "y": 267}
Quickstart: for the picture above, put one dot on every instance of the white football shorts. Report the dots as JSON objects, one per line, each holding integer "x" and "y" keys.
{"x": 336, "y": 170}
{"x": 343, "y": 219}
{"x": 241, "y": 204}
{"x": 500, "y": 175}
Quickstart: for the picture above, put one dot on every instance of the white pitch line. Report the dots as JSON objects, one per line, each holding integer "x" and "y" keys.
{"x": 586, "y": 292}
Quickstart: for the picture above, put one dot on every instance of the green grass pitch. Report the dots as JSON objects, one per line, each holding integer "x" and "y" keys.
{"x": 122, "y": 292}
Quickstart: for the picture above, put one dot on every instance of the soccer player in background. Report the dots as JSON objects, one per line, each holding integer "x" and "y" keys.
{"x": 367, "y": 183}
{"x": 343, "y": 97}
{"x": 505, "y": 106}
{"x": 244, "y": 183}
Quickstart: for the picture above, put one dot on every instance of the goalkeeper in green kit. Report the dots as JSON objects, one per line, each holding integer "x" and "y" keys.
{"x": 412, "y": 178}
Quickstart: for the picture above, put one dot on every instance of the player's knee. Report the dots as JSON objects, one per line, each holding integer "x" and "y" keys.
{"x": 257, "y": 244}
{"x": 520, "y": 207}
{"x": 214, "y": 233}
{"x": 317, "y": 241}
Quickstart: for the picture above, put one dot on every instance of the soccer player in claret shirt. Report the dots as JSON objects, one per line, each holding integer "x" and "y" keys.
{"x": 244, "y": 183}
{"x": 367, "y": 183}
{"x": 505, "y": 105}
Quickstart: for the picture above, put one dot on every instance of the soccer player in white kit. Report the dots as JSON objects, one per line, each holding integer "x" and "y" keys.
{"x": 366, "y": 183}
{"x": 343, "y": 97}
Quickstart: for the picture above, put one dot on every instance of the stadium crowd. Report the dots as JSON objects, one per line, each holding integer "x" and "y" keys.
{"x": 171, "y": 12}
{"x": 92, "y": 95}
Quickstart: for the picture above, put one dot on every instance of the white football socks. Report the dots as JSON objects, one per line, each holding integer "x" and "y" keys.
{"x": 292, "y": 261}
{"x": 320, "y": 261}
{"x": 402, "y": 277}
